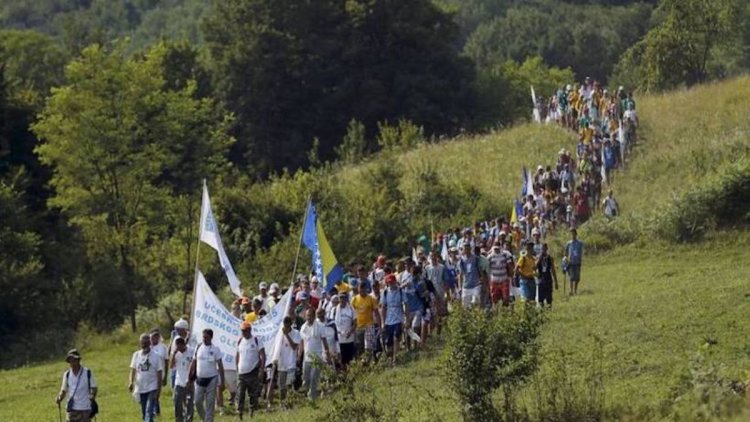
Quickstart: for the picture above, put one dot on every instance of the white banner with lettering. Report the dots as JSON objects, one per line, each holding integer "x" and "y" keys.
{"x": 211, "y": 313}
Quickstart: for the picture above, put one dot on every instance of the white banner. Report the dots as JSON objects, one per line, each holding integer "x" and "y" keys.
{"x": 209, "y": 312}
{"x": 267, "y": 328}
{"x": 209, "y": 234}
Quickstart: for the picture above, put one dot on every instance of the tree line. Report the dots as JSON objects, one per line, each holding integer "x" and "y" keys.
{"x": 111, "y": 114}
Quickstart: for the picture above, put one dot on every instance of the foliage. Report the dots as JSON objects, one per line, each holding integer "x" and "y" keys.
{"x": 714, "y": 204}
{"x": 486, "y": 351}
{"x": 680, "y": 49}
{"x": 588, "y": 39}
{"x": 294, "y": 71}
{"x": 403, "y": 136}
{"x": 354, "y": 145}
{"x": 121, "y": 143}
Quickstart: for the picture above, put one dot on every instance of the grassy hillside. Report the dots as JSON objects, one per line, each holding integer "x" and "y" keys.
{"x": 665, "y": 323}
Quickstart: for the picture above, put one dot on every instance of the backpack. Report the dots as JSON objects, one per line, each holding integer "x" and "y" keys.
{"x": 94, "y": 404}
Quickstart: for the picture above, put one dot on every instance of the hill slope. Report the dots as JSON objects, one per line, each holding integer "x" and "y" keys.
{"x": 646, "y": 310}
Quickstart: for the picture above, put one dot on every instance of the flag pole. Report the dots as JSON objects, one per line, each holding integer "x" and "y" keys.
{"x": 197, "y": 254}
{"x": 301, "y": 234}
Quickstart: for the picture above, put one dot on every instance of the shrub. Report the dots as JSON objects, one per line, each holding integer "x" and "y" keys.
{"x": 719, "y": 202}
{"x": 487, "y": 351}
{"x": 354, "y": 145}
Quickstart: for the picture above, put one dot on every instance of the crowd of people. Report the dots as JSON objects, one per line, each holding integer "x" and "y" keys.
{"x": 377, "y": 309}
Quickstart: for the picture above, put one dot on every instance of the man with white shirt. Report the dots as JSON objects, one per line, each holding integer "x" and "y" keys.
{"x": 146, "y": 372}
{"x": 285, "y": 359}
{"x": 209, "y": 370}
{"x": 314, "y": 348}
{"x": 345, "y": 321}
{"x": 79, "y": 385}
{"x": 183, "y": 387}
{"x": 263, "y": 296}
{"x": 158, "y": 347}
{"x": 251, "y": 360}
{"x": 181, "y": 328}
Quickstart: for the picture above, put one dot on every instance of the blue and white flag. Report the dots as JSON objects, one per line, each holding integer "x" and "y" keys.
{"x": 209, "y": 234}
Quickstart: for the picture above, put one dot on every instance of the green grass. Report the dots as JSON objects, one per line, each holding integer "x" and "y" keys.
{"x": 651, "y": 306}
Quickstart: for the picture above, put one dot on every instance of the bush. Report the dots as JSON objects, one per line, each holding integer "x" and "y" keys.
{"x": 487, "y": 351}
{"x": 404, "y": 136}
{"x": 719, "y": 202}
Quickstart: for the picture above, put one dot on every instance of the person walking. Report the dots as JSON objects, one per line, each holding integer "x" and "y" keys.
{"x": 184, "y": 389}
{"x": 345, "y": 320}
{"x": 79, "y": 385}
{"x": 251, "y": 359}
{"x": 574, "y": 258}
{"x": 146, "y": 373}
{"x": 525, "y": 268}
{"x": 366, "y": 308}
{"x": 393, "y": 315}
{"x": 158, "y": 348}
{"x": 208, "y": 368}
{"x": 546, "y": 274}
{"x": 313, "y": 348}
{"x": 285, "y": 359}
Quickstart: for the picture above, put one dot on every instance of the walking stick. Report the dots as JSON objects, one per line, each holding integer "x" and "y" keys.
{"x": 59, "y": 411}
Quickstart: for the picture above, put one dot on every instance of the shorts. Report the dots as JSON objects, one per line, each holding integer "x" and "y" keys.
{"x": 230, "y": 381}
{"x": 366, "y": 336}
{"x": 393, "y": 332}
{"x": 528, "y": 288}
{"x": 420, "y": 318}
{"x": 574, "y": 272}
{"x": 471, "y": 296}
{"x": 500, "y": 291}
{"x": 286, "y": 378}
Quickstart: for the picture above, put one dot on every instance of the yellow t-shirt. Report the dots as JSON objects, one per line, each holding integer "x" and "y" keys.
{"x": 364, "y": 306}
{"x": 251, "y": 317}
{"x": 526, "y": 266}
{"x": 588, "y": 135}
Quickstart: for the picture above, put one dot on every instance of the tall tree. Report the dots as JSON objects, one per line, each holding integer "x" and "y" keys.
{"x": 292, "y": 71}
{"x": 117, "y": 138}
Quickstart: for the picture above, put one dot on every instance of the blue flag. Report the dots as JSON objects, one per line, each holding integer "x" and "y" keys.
{"x": 324, "y": 262}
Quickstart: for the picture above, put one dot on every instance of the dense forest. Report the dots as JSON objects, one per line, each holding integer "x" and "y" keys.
{"x": 112, "y": 113}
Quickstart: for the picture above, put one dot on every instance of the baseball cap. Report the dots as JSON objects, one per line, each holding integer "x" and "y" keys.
{"x": 390, "y": 279}
{"x": 73, "y": 354}
{"x": 274, "y": 288}
{"x": 535, "y": 231}
{"x": 263, "y": 285}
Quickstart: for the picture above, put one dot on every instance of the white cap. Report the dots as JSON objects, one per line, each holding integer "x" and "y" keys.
{"x": 181, "y": 324}
{"x": 535, "y": 231}
{"x": 274, "y": 288}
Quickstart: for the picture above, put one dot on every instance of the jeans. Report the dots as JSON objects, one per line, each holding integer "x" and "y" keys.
{"x": 183, "y": 404}
{"x": 148, "y": 405}
{"x": 205, "y": 400}
{"x": 252, "y": 384}
{"x": 311, "y": 378}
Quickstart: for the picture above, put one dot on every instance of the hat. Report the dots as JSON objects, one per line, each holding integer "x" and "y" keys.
{"x": 390, "y": 279}
{"x": 274, "y": 288}
{"x": 535, "y": 231}
{"x": 181, "y": 324}
{"x": 73, "y": 354}
{"x": 562, "y": 152}
{"x": 453, "y": 249}
{"x": 502, "y": 233}
{"x": 244, "y": 326}
{"x": 539, "y": 167}
{"x": 302, "y": 295}
{"x": 245, "y": 300}
{"x": 263, "y": 285}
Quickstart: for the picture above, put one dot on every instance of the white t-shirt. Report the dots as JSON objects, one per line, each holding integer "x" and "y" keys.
{"x": 182, "y": 363}
{"x": 330, "y": 337}
{"x": 345, "y": 319}
{"x": 266, "y": 306}
{"x": 207, "y": 358}
{"x": 249, "y": 354}
{"x": 288, "y": 355}
{"x": 146, "y": 366}
{"x": 160, "y": 350}
{"x": 80, "y": 395}
{"x": 313, "y": 335}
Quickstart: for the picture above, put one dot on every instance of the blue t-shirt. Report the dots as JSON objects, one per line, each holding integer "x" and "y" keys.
{"x": 469, "y": 267}
{"x": 354, "y": 282}
{"x": 609, "y": 158}
{"x": 574, "y": 250}
{"x": 393, "y": 302}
